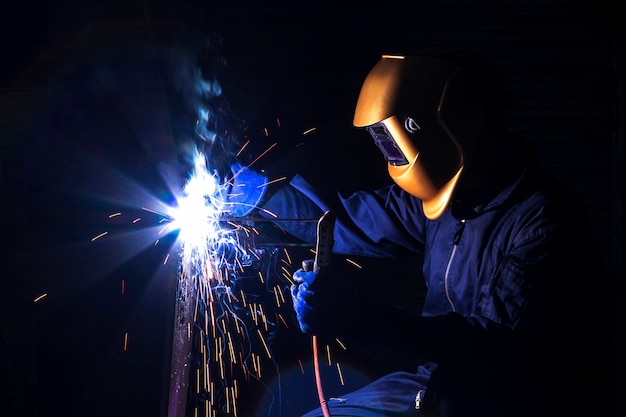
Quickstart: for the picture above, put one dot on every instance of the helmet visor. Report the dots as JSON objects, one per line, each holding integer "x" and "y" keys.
{"x": 387, "y": 144}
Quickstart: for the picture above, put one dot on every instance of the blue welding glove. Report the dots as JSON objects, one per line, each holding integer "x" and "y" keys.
{"x": 327, "y": 305}
{"x": 301, "y": 295}
{"x": 323, "y": 304}
{"x": 247, "y": 190}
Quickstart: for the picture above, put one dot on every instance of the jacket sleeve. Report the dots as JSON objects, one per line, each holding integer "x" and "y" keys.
{"x": 368, "y": 223}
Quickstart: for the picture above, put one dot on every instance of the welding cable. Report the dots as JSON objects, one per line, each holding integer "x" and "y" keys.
{"x": 318, "y": 379}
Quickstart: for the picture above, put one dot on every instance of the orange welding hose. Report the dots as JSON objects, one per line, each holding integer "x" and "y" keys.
{"x": 318, "y": 379}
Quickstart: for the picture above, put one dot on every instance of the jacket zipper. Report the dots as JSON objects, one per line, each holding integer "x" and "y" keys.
{"x": 455, "y": 242}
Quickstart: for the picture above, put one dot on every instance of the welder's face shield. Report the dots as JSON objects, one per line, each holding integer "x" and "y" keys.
{"x": 387, "y": 144}
{"x": 417, "y": 113}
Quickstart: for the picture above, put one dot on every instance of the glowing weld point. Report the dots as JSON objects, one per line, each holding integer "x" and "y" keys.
{"x": 198, "y": 211}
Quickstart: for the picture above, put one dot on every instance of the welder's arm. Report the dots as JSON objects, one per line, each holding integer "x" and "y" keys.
{"x": 366, "y": 225}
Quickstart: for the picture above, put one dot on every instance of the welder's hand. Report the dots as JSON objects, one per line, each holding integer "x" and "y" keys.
{"x": 247, "y": 190}
{"x": 324, "y": 304}
{"x": 302, "y": 295}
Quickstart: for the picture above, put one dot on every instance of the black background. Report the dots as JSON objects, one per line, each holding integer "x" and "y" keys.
{"x": 86, "y": 107}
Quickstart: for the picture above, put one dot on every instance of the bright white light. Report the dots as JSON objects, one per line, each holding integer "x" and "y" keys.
{"x": 205, "y": 243}
{"x": 199, "y": 209}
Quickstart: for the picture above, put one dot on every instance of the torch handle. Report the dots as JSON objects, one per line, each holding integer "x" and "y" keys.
{"x": 325, "y": 240}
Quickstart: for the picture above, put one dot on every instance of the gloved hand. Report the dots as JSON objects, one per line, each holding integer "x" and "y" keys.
{"x": 324, "y": 304}
{"x": 302, "y": 295}
{"x": 247, "y": 190}
{"x": 327, "y": 305}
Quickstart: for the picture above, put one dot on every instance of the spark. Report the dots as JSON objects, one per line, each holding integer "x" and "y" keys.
{"x": 280, "y": 293}
{"x": 267, "y": 350}
{"x": 275, "y": 181}
{"x": 277, "y": 299}
{"x": 272, "y": 146}
{"x": 340, "y": 374}
{"x": 287, "y": 256}
{"x": 341, "y": 344}
{"x": 281, "y": 318}
{"x": 245, "y": 145}
{"x": 99, "y": 236}
{"x": 219, "y": 277}
{"x": 41, "y": 297}
{"x": 350, "y": 261}
{"x": 216, "y": 258}
{"x": 269, "y": 212}
{"x": 286, "y": 271}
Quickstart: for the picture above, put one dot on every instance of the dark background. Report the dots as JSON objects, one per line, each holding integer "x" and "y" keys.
{"x": 88, "y": 103}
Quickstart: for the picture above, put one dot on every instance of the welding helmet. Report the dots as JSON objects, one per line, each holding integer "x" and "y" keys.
{"x": 425, "y": 114}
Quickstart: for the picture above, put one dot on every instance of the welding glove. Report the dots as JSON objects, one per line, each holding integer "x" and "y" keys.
{"x": 319, "y": 300}
{"x": 326, "y": 304}
{"x": 247, "y": 190}
{"x": 300, "y": 294}
{"x": 323, "y": 303}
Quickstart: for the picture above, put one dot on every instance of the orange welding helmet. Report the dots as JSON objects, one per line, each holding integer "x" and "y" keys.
{"x": 425, "y": 114}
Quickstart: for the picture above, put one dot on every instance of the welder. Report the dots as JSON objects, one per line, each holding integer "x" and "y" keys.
{"x": 516, "y": 316}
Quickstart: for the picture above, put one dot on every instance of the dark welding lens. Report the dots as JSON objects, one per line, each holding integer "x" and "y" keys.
{"x": 378, "y": 129}
{"x": 387, "y": 144}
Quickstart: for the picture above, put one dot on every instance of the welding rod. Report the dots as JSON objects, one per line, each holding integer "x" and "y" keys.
{"x": 263, "y": 219}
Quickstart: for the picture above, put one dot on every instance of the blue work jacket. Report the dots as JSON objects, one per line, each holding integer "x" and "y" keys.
{"x": 517, "y": 289}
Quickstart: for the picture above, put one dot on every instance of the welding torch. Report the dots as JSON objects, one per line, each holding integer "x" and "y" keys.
{"x": 323, "y": 253}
